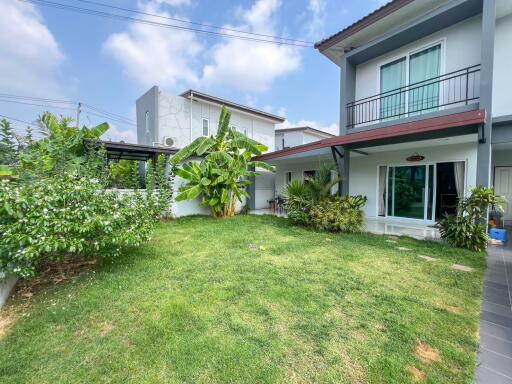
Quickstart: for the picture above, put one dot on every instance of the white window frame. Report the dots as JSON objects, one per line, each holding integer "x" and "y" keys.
{"x": 207, "y": 127}
{"x": 407, "y": 55}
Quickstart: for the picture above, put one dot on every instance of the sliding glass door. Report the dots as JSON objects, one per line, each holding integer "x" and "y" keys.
{"x": 410, "y": 192}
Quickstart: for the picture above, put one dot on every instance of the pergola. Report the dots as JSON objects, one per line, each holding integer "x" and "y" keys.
{"x": 129, "y": 151}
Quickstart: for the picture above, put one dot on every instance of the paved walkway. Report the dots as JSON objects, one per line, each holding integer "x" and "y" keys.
{"x": 495, "y": 356}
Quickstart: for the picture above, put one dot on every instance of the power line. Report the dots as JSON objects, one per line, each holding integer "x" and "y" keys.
{"x": 43, "y": 102}
{"x": 19, "y": 121}
{"x": 193, "y": 22}
{"x": 87, "y": 11}
{"x": 36, "y": 104}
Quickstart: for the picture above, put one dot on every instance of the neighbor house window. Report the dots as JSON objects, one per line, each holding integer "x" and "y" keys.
{"x": 288, "y": 177}
{"x": 206, "y": 127}
{"x": 146, "y": 122}
{"x": 282, "y": 143}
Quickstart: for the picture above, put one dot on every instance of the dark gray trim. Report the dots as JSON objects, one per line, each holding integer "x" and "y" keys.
{"x": 502, "y": 120}
{"x": 338, "y": 160}
{"x": 430, "y": 115}
{"x": 502, "y": 134}
{"x": 347, "y": 91}
{"x": 345, "y": 183}
{"x": 445, "y": 16}
{"x": 483, "y": 170}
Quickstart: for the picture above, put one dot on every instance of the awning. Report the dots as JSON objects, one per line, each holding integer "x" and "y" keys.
{"x": 410, "y": 131}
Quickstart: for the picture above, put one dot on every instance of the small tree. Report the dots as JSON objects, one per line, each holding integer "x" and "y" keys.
{"x": 222, "y": 174}
{"x": 8, "y": 144}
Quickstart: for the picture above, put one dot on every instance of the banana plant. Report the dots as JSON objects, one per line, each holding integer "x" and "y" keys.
{"x": 223, "y": 173}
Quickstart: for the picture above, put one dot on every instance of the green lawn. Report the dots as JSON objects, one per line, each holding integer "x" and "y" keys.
{"x": 199, "y": 304}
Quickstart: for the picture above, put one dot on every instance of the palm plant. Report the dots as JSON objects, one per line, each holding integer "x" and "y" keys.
{"x": 223, "y": 173}
{"x": 313, "y": 188}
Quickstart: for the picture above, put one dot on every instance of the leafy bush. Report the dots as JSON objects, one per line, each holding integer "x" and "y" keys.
{"x": 338, "y": 214}
{"x": 462, "y": 232}
{"x": 68, "y": 216}
{"x": 467, "y": 228}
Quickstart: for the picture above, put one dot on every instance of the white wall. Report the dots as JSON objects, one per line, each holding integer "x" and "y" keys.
{"x": 461, "y": 48}
{"x": 502, "y": 84}
{"x": 364, "y": 169}
{"x": 310, "y": 138}
{"x": 174, "y": 121}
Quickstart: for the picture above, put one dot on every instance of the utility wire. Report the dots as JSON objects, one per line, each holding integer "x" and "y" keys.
{"x": 19, "y": 121}
{"x": 193, "y": 22}
{"x": 87, "y": 11}
{"x": 44, "y": 103}
{"x": 36, "y": 104}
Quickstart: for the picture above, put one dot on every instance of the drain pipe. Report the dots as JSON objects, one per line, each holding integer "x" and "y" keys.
{"x": 191, "y": 97}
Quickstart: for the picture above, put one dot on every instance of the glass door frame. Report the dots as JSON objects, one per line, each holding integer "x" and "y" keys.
{"x": 425, "y": 193}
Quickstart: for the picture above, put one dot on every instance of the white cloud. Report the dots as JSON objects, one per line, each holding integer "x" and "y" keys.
{"x": 175, "y": 3}
{"x": 30, "y": 58}
{"x": 156, "y": 56}
{"x": 317, "y": 10}
{"x": 332, "y": 128}
{"x": 116, "y": 134}
{"x": 247, "y": 65}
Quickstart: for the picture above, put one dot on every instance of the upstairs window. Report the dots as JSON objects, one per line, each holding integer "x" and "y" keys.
{"x": 206, "y": 127}
{"x": 404, "y": 84}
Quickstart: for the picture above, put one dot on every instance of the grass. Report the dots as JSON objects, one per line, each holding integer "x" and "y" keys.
{"x": 252, "y": 299}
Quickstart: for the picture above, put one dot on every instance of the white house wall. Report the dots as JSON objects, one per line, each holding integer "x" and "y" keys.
{"x": 174, "y": 121}
{"x": 364, "y": 169}
{"x": 502, "y": 83}
{"x": 461, "y": 49}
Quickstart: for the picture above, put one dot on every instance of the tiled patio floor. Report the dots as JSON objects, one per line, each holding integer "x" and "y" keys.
{"x": 495, "y": 356}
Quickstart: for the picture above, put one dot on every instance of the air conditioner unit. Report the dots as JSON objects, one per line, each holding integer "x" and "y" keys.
{"x": 169, "y": 141}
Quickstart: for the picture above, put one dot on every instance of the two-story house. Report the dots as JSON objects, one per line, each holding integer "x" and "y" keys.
{"x": 293, "y": 136}
{"x": 425, "y": 108}
{"x": 176, "y": 121}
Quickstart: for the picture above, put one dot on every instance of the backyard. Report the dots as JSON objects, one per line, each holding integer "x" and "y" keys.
{"x": 253, "y": 299}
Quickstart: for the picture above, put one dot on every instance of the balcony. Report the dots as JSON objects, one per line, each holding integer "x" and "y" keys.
{"x": 454, "y": 89}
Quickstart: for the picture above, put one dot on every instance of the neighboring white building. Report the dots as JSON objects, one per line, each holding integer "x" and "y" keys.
{"x": 426, "y": 110}
{"x": 291, "y": 137}
{"x": 164, "y": 119}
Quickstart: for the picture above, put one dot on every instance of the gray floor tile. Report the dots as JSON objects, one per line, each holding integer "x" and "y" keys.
{"x": 496, "y": 362}
{"x": 496, "y": 330}
{"x": 495, "y": 285}
{"x": 497, "y": 298}
{"x": 496, "y": 319}
{"x": 494, "y": 344}
{"x": 485, "y": 375}
{"x": 503, "y": 310}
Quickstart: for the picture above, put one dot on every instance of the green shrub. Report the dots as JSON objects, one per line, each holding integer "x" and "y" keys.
{"x": 462, "y": 232}
{"x": 338, "y": 214}
{"x": 68, "y": 216}
{"x": 467, "y": 228}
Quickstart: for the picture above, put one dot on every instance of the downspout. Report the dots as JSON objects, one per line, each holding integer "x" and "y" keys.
{"x": 191, "y": 97}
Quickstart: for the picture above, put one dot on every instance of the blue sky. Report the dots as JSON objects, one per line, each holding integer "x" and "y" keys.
{"x": 51, "y": 53}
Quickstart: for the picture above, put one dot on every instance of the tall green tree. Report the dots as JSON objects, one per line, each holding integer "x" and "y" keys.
{"x": 64, "y": 148}
{"x": 223, "y": 172}
{"x": 8, "y": 144}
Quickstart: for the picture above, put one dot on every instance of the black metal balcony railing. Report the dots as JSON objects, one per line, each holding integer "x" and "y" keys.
{"x": 455, "y": 88}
